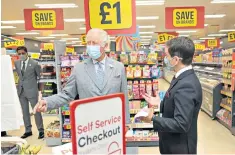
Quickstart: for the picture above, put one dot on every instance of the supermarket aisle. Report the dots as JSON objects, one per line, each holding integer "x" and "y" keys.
{"x": 212, "y": 136}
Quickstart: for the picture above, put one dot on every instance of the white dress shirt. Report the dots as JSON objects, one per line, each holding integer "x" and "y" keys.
{"x": 97, "y": 65}
{"x": 26, "y": 63}
{"x": 183, "y": 70}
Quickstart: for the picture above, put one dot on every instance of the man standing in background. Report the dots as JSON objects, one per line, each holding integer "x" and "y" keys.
{"x": 97, "y": 76}
{"x": 28, "y": 71}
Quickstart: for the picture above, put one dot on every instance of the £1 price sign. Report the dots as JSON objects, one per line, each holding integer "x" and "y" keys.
{"x": 114, "y": 16}
{"x": 213, "y": 43}
{"x": 231, "y": 36}
{"x": 184, "y": 17}
{"x": 19, "y": 41}
{"x": 44, "y": 19}
{"x": 199, "y": 47}
{"x": 163, "y": 37}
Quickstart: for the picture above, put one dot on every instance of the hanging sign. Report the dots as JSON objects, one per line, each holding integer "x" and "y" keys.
{"x": 70, "y": 50}
{"x": 44, "y": 19}
{"x": 163, "y": 37}
{"x": 231, "y": 36}
{"x": 184, "y": 17}
{"x": 19, "y": 41}
{"x": 47, "y": 46}
{"x": 83, "y": 39}
{"x": 114, "y": 16}
{"x": 35, "y": 55}
{"x": 212, "y": 43}
{"x": 199, "y": 47}
{"x": 103, "y": 133}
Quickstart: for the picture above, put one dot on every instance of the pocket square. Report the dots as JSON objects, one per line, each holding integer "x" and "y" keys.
{"x": 117, "y": 76}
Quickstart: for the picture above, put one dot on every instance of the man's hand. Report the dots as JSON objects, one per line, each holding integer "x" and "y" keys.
{"x": 41, "y": 106}
{"x": 148, "y": 119}
{"x": 153, "y": 101}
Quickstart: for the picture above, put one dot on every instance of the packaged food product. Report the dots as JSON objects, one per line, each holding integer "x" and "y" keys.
{"x": 133, "y": 57}
{"x": 136, "y": 90}
{"x": 146, "y": 71}
{"x": 155, "y": 71}
{"x": 129, "y": 72}
{"x": 142, "y": 88}
{"x": 137, "y": 71}
{"x": 149, "y": 87}
{"x": 124, "y": 58}
{"x": 142, "y": 57}
{"x": 130, "y": 89}
{"x": 65, "y": 61}
{"x": 155, "y": 87}
{"x": 74, "y": 60}
{"x": 152, "y": 58}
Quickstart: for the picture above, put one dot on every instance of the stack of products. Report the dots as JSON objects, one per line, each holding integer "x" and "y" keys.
{"x": 66, "y": 130}
{"x": 141, "y": 135}
{"x": 48, "y": 55}
{"x": 48, "y": 72}
{"x": 143, "y": 72}
{"x": 225, "y": 116}
{"x": 53, "y": 130}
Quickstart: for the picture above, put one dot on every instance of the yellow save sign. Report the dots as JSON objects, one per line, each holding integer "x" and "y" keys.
{"x": 200, "y": 47}
{"x": 185, "y": 17}
{"x": 231, "y": 36}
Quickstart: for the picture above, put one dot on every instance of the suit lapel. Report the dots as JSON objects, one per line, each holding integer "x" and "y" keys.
{"x": 27, "y": 67}
{"x": 108, "y": 71}
{"x": 19, "y": 67}
{"x": 90, "y": 69}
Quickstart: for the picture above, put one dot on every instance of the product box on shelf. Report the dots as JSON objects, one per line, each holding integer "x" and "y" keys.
{"x": 53, "y": 130}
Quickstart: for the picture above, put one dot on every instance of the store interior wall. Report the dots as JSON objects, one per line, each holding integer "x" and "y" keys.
{"x": 227, "y": 44}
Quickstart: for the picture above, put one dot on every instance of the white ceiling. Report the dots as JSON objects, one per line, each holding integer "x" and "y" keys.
{"x": 13, "y": 10}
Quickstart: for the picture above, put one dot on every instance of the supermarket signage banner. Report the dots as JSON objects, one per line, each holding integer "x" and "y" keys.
{"x": 114, "y": 16}
{"x": 163, "y": 37}
{"x": 231, "y": 36}
{"x": 83, "y": 39}
{"x": 44, "y": 19}
{"x": 212, "y": 43}
{"x": 47, "y": 46}
{"x": 98, "y": 125}
{"x": 200, "y": 47}
{"x": 184, "y": 17}
{"x": 19, "y": 41}
{"x": 70, "y": 49}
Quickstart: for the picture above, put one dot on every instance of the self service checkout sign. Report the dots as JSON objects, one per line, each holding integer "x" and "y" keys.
{"x": 114, "y": 16}
{"x": 98, "y": 125}
{"x": 44, "y": 19}
{"x": 184, "y": 17}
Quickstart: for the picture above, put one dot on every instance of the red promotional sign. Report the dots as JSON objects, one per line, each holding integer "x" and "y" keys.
{"x": 212, "y": 43}
{"x": 102, "y": 129}
{"x": 44, "y": 19}
{"x": 114, "y": 16}
{"x": 184, "y": 17}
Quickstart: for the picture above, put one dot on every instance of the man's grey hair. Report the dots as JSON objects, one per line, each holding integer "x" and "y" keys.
{"x": 103, "y": 34}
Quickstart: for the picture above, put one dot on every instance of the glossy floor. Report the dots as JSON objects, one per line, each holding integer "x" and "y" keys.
{"x": 213, "y": 138}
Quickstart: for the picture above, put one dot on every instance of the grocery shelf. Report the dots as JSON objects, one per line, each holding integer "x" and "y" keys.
{"x": 227, "y": 93}
{"x": 211, "y": 64}
{"x": 47, "y": 63}
{"x": 65, "y": 112}
{"x": 50, "y": 115}
{"x": 66, "y": 140}
{"x": 142, "y": 143}
{"x": 141, "y": 126}
{"x": 135, "y": 111}
{"x": 48, "y": 80}
{"x": 151, "y": 78}
{"x": 226, "y": 107}
{"x": 67, "y": 126}
{"x": 220, "y": 120}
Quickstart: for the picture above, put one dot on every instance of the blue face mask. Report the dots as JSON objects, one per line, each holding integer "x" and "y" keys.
{"x": 93, "y": 51}
{"x": 167, "y": 62}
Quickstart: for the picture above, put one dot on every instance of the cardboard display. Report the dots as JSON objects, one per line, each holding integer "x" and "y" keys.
{"x": 114, "y": 16}
{"x": 98, "y": 125}
{"x": 44, "y": 19}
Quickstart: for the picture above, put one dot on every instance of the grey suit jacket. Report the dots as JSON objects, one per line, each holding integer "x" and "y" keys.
{"x": 28, "y": 82}
{"x": 83, "y": 82}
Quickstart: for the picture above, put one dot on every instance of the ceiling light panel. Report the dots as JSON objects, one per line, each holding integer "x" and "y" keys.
{"x": 65, "y": 5}
{"x": 204, "y": 38}
{"x": 147, "y": 27}
{"x": 146, "y": 32}
{"x": 146, "y": 36}
{"x": 58, "y": 35}
{"x": 222, "y": 1}
{"x": 44, "y": 37}
{"x": 216, "y": 35}
{"x": 215, "y": 16}
{"x": 75, "y": 20}
{"x": 82, "y": 28}
{"x": 228, "y": 30}
{"x": 69, "y": 38}
{"x": 186, "y": 31}
{"x": 13, "y": 22}
{"x": 184, "y": 35}
{"x": 27, "y": 33}
{"x": 147, "y": 17}
{"x": 149, "y": 2}
{"x": 8, "y": 27}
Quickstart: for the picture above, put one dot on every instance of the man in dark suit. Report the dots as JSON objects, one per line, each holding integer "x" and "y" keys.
{"x": 177, "y": 127}
{"x": 28, "y": 71}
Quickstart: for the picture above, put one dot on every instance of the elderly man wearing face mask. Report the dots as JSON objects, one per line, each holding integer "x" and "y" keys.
{"x": 28, "y": 71}
{"x": 97, "y": 76}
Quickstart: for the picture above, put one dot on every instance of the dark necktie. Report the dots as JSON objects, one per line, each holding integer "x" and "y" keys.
{"x": 23, "y": 68}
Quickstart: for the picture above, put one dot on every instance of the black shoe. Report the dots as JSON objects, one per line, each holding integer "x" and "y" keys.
{"x": 41, "y": 135}
{"x": 27, "y": 134}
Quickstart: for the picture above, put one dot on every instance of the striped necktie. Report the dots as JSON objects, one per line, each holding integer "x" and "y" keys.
{"x": 100, "y": 74}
